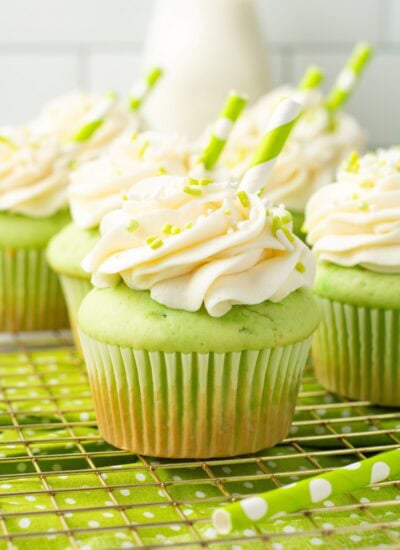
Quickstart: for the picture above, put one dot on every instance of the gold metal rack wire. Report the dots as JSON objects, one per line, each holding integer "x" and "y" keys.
{"x": 62, "y": 486}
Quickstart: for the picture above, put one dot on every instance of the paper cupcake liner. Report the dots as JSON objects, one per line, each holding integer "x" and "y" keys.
{"x": 356, "y": 352}
{"x": 30, "y": 293}
{"x": 194, "y": 405}
{"x": 75, "y": 289}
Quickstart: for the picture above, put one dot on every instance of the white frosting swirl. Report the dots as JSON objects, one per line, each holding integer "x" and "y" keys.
{"x": 193, "y": 244}
{"x": 356, "y": 221}
{"x": 97, "y": 186}
{"x": 65, "y": 115}
{"x": 33, "y": 173}
{"x": 311, "y": 154}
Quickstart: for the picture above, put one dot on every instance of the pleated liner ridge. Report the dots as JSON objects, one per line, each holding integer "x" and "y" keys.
{"x": 30, "y": 293}
{"x": 74, "y": 290}
{"x": 356, "y": 352}
{"x": 194, "y": 405}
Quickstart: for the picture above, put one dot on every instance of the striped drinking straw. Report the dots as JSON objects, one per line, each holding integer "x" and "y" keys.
{"x": 348, "y": 77}
{"x": 282, "y": 121}
{"x": 312, "y": 78}
{"x": 95, "y": 117}
{"x": 307, "y": 493}
{"x": 143, "y": 88}
{"x": 231, "y": 111}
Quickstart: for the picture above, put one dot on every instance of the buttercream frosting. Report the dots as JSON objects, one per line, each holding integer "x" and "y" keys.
{"x": 356, "y": 221}
{"x": 193, "y": 243}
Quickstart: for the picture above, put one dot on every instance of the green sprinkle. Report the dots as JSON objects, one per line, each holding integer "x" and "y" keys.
{"x": 134, "y": 136}
{"x": 132, "y": 226}
{"x": 206, "y": 181}
{"x": 363, "y": 205}
{"x": 353, "y": 163}
{"x": 244, "y": 198}
{"x": 167, "y": 229}
{"x": 367, "y": 184}
{"x": 301, "y": 268}
{"x": 125, "y": 197}
{"x": 288, "y": 234}
{"x": 189, "y": 225}
{"x": 227, "y": 212}
{"x": 143, "y": 148}
{"x": 86, "y": 132}
{"x": 154, "y": 242}
{"x": 73, "y": 164}
{"x": 162, "y": 171}
{"x": 175, "y": 230}
{"x": 112, "y": 95}
{"x": 267, "y": 212}
{"x": 192, "y": 191}
{"x": 193, "y": 181}
{"x": 355, "y": 196}
{"x": 261, "y": 191}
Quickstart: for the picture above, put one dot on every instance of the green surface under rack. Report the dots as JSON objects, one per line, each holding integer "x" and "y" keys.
{"x": 62, "y": 486}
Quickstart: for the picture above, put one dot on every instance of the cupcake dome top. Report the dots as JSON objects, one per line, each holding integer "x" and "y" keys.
{"x": 33, "y": 172}
{"x": 196, "y": 242}
{"x": 311, "y": 154}
{"x": 97, "y": 186}
{"x": 356, "y": 221}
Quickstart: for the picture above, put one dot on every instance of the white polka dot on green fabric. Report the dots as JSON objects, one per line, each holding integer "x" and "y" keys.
{"x": 200, "y": 494}
{"x": 380, "y": 471}
{"x": 24, "y": 523}
{"x": 93, "y": 523}
{"x": 320, "y": 489}
{"x": 125, "y": 492}
{"x": 140, "y": 477}
{"x": 316, "y": 541}
{"x": 289, "y": 529}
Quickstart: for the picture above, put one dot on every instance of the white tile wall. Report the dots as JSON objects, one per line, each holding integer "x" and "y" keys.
{"x": 50, "y": 46}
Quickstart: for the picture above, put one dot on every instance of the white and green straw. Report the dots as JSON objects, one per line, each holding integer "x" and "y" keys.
{"x": 282, "y": 121}
{"x": 312, "y": 78}
{"x": 143, "y": 88}
{"x": 231, "y": 111}
{"x": 307, "y": 493}
{"x": 348, "y": 77}
{"x": 95, "y": 117}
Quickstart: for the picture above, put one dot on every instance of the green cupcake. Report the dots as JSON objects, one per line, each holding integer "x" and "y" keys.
{"x": 97, "y": 187}
{"x": 199, "y": 350}
{"x": 33, "y": 182}
{"x": 354, "y": 227}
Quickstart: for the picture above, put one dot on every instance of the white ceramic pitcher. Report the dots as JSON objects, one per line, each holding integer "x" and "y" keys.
{"x": 206, "y": 47}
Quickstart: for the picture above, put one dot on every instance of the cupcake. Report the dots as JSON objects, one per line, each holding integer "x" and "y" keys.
{"x": 311, "y": 155}
{"x": 96, "y": 188}
{"x": 33, "y": 207}
{"x": 354, "y": 227}
{"x": 197, "y": 332}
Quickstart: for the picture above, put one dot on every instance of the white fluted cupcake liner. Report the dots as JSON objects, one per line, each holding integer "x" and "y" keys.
{"x": 75, "y": 289}
{"x": 194, "y": 405}
{"x": 356, "y": 352}
{"x": 30, "y": 293}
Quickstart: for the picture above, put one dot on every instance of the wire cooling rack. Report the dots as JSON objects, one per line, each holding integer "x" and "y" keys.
{"x": 62, "y": 486}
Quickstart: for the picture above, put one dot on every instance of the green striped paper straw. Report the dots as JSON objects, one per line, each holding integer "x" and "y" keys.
{"x": 282, "y": 121}
{"x": 312, "y": 78}
{"x": 348, "y": 77}
{"x": 142, "y": 89}
{"x": 95, "y": 117}
{"x": 231, "y": 111}
{"x": 307, "y": 493}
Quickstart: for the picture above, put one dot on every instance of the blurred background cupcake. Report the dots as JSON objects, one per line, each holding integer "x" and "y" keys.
{"x": 354, "y": 227}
